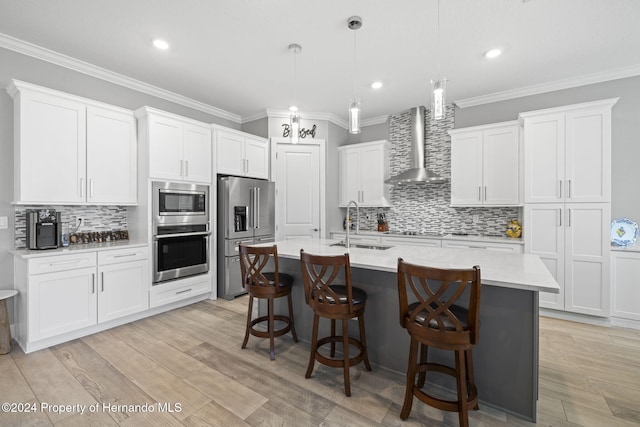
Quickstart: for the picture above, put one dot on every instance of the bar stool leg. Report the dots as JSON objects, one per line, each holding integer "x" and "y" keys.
{"x": 293, "y": 327}
{"x": 333, "y": 334}
{"x": 363, "y": 340}
{"x": 5, "y": 332}
{"x": 422, "y": 375}
{"x": 314, "y": 346}
{"x": 271, "y": 325}
{"x": 345, "y": 353}
{"x": 461, "y": 380}
{"x": 246, "y": 332}
{"x": 411, "y": 376}
{"x": 469, "y": 366}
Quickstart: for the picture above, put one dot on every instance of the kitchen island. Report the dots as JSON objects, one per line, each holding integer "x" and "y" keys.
{"x": 506, "y": 358}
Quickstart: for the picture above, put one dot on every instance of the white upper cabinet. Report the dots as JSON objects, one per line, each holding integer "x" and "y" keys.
{"x": 567, "y": 153}
{"x": 485, "y": 165}
{"x": 179, "y": 148}
{"x": 363, "y": 170}
{"x": 111, "y": 146}
{"x": 241, "y": 154}
{"x": 67, "y": 148}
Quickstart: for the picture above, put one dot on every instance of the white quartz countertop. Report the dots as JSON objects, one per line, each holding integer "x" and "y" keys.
{"x": 517, "y": 271}
{"x": 77, "y": 249}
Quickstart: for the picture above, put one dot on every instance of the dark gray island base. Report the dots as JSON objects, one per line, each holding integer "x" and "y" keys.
{"x": 506, "y": 358}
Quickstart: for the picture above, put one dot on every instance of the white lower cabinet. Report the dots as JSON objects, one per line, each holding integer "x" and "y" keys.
{"x": 353, "y": 237}
{"x": 572, "y": 240}
{"x": 178, "y": 290}
{"x": 61, "y": 302}
{"x": 412, "y": 241}
{"x": 490, "y": 246}
{"x": 625, "y": 270}
{"x": 64, "y": 293}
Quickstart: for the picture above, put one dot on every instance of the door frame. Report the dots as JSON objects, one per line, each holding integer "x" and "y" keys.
{"x": 321, "y": 143}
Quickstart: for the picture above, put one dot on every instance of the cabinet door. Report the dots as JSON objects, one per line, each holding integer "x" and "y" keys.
{"x": 544, "y": 159}
{"x": 501, "y": 166}
{"x": 62, "y": 302}
{"x": 587, "y": 258}
{"x": 111, "y": 157}
{"x": 197, "y": 153}
{"x": 544, "y": 236}
{"x": 230, "y": 154}
{"x": 257, "y": 157}
{"x": 625, "y": 270}
{"x": 165, "y": 148}
{"x": 123, "y": 289}
{"x": 52, "y": 150}
{"x": 350, "y": 175}
{"x": 588, "y": 155}
{"x": 466, "y": 169}
{"x": 372, "y": 176}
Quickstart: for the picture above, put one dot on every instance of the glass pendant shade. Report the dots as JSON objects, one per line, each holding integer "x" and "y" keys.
{"x": 294, "y": 127}
{"x": 354, "y": 116}
{"x": 438, "y": 110}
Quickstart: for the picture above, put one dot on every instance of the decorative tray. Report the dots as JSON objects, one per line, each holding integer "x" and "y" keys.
{"x": 624, "y": 232}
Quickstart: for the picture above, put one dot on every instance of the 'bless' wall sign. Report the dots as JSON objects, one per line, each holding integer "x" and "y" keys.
{"x": 286, "y": 131}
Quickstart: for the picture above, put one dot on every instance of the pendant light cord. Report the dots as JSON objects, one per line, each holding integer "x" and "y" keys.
{"x": 355, "y": 66}
{"x": 438, "y": 40}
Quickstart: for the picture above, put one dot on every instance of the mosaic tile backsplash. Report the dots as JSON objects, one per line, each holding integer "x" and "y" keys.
{"x": 96, "y": 219}
{"x": 424, "y": 207}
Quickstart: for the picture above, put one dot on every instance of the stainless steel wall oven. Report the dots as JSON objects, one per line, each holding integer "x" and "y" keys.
{"x": 181, "y": 230}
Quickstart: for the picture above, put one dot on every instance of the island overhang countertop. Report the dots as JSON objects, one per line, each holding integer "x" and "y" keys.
{"x": 510, "y": 270}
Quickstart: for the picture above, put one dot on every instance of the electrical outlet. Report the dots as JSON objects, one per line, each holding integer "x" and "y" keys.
{"x": 476, "y": 219}
{"x": 4, "y": 222}
{"x": 79, "y": 222}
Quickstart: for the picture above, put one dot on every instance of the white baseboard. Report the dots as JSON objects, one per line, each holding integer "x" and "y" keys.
{"x": 575, "y": 317}
{"x": 625, "y": 323}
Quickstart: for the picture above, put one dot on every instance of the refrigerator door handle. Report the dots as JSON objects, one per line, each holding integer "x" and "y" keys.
{"x": 258, "y": 201}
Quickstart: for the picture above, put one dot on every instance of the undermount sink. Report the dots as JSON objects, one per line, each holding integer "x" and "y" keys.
{"x": 375, "y": 246}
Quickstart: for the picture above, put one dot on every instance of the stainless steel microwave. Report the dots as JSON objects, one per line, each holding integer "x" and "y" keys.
{"x": 180, "y": 203}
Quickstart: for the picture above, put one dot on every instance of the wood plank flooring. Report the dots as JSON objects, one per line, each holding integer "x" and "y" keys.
{"x": 190, "y": 363}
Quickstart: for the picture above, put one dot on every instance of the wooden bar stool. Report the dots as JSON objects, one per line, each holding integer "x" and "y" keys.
{"x": 335, "y": 302}
{"x": 5, "y": 331}
{"x": 435, "y": 320}
{"x": 267, "y": 285}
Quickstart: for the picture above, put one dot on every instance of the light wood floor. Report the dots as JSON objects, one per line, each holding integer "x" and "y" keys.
{"x": 589, "y": 376}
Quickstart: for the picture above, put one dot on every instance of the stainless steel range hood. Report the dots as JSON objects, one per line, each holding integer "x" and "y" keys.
{"x": 417, "y": 172}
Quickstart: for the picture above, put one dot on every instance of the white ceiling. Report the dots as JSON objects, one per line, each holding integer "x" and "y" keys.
{"x": 233, "y": 54}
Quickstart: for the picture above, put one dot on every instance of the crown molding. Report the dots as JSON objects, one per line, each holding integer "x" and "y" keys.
{"x": 587, "y": 79}
{"x": 38, "y": 52}
{"x": 375, "y": 121}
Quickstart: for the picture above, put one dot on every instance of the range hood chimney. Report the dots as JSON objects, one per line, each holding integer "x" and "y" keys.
{"x": 418, "y": 172}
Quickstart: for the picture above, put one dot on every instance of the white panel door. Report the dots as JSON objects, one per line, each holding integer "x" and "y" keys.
{"x": 544, "y": 236}
{"x": 62, "y": 302}
{"x": 501, "y": 168}
{"x": 52, "y": 167}
{"x": 544, "y": 158}
{"x": 588, "y": 155}
{"x": 466, "y": 169}
{"x": 111, "y": 157}
{"x": 587, "y": 258}
{"x": 297, "y": 180}
{"x": 123, "y": 289}
{"x": 197, "y": 153}
{"x": 165, "y": 148}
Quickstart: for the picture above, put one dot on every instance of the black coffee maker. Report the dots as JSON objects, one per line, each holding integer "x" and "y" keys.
{"x": 44, "y": 229}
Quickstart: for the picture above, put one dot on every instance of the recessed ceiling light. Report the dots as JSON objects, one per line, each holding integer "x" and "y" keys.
{"x": 376, "y": 85}
{"x": 160, "y": 44}
{"x": 493, "y": 53}
{"x": 293, "y": 108}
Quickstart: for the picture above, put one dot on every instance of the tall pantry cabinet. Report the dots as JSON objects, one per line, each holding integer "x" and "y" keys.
{"x": 567, "y": 211}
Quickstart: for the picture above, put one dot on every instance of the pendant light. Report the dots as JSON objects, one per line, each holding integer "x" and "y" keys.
{"x": 294, "y": 118}
{"x": 354, "y": 23}
{"x": 438, "y": 105}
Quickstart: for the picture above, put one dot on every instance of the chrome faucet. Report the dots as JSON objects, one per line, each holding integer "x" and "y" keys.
{"x": 349, "y": 203}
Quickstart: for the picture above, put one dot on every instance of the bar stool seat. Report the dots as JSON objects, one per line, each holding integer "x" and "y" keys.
{"x": 335, "y": 302}
{"x": 439, "y": 320}
{"x": 267, "y": 285}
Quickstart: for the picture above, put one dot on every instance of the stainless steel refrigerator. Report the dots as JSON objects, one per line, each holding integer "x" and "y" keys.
{"x": 246, "y": 213}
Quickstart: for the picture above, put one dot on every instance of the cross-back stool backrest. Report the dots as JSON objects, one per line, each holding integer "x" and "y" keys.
{"x": 435, "y": 318}
{"x": 253, "y": 260}
{"x": 319, "y": 273}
